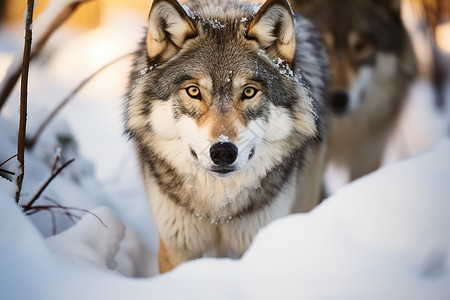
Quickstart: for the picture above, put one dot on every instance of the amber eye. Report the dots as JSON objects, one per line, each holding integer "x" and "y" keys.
{"x": 248, "y": 93}
{"x": 193, "y": 92}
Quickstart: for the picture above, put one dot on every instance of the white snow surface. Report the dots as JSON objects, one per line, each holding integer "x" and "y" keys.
{"x": 384, "y": 236}
{"x": 372, "y": 240}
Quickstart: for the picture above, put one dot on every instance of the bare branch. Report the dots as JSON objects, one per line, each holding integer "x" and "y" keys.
{"x": 68, "y": 214}
{"x": 8, "y": 160}
{"x": 44, "y": 186}
{"x": 55, "y": 164}
{"x": 71, "y": 217}
{"x": 7, "y": 172}
{"x": 24, "y": 98}
{"x": 37, "y": 208}
{"x": 66, "y": 100}
{"x": 51, "y": 200}
{"x": 53, "y": 222}
{"x": 62, "y": 14}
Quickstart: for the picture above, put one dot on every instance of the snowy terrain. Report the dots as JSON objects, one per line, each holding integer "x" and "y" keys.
{"x": 385, "y": 236}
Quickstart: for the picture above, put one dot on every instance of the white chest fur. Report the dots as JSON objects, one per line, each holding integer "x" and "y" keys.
{"x": 192, "y": 234}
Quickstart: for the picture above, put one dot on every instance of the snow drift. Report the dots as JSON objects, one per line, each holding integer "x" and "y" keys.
{"x": 384, "y": 236}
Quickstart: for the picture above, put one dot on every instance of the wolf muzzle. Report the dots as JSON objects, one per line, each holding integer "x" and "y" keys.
{"x": 339, "y": 102}
{"x": 223, "y": 154}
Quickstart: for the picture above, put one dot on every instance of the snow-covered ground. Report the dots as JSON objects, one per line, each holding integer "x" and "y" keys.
{"x": 385, "y": 236}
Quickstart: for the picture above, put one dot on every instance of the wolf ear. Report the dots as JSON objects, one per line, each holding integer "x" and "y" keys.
{"x": 168, "y": 28}
{"x": 273, "y": 28}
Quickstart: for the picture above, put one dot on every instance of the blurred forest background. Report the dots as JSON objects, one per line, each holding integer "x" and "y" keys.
{"x": 427, "y": 20}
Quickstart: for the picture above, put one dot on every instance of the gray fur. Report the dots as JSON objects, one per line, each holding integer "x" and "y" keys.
{"x": 358, "y": 136}
{"x": 222, "y": 50}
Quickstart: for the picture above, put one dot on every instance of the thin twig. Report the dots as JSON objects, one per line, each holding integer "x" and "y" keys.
{"x": 8, "y": 160}
{"x": 55, "y": 164}
{"x": 66, "y": 100}
{"x": 44, "y": 186}
{"x": 24, "y": 98}
{"x": 53, "y": 222}
{"x": 68, "y": 214}
{"x": 37, "y": 208}
{"x": 14, "y": 71}
{"x": 72, "y": 217}
{"x": 7, "y": 172}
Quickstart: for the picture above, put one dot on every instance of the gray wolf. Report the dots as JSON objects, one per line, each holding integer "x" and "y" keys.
{"x": 372, "y": 66}
{"x": 226, "y": 110}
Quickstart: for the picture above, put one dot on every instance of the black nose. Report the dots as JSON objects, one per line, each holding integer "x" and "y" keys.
{"x": 223, "y": 154}
{"x": 339, "y": 102}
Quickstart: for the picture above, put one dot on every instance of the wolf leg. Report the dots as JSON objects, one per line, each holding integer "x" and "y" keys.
{"x": 171, "y": 253}
{"x": 310, "y": 181}
{"x": 166, "y": 261}
{"x": 367, "y": 158}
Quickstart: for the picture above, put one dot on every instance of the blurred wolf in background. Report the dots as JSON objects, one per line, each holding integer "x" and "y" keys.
{"x": 226, "y": 110}
{"x": 372, "y": 66}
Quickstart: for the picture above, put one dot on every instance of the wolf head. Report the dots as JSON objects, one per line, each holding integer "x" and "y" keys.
{"x": 362, "y": 37}
{"x": 213, "y": 87}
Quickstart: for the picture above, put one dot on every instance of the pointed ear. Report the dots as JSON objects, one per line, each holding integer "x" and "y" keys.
{"x": 273, "y": 28}
{"x": 168, "y": 28}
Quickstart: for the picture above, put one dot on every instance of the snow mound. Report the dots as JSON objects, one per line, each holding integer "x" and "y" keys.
{"x": 82, "y": 241}
{"x": 384, "y": 236}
